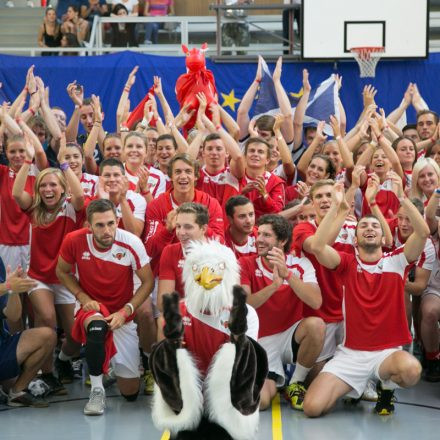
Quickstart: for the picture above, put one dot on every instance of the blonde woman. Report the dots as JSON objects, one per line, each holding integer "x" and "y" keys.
{"x": 55, "y": 209}
{"x": 425, "y": 179}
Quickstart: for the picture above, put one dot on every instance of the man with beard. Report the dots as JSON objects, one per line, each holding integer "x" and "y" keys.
{"x": 375, "y": 320}
{"x": 105, "y": 259}
{"x": 277, "y": 284}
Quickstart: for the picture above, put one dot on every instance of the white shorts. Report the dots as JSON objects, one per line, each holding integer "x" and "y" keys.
{"x": 279, "y": 351}
{"x": 15, "y": 255}
{"x": 355, "y": 367}
{"x": 126, "y": 361}
{"x": 62, "y": 295}
{"x": 334, "y": 335}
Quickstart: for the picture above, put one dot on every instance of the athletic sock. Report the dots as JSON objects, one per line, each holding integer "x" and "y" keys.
{"x": 63, "y": 357}
{"x": 300, "y": 374}
{"x": 96, "y": 381}
{"x": 389, "y": 384}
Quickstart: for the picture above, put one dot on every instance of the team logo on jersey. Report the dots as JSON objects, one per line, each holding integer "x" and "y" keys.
{"x": 186, "y": 320}
{"x": 258, "y": 273}
{"x": 85, "y": 256}
{"x": 119, "y": 255}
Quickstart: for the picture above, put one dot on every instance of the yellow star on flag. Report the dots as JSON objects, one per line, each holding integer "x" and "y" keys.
{"x": 230, "y": 100}
{"x": 297, "y": 95}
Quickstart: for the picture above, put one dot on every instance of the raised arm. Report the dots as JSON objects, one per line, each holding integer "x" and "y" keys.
{"x": 229, "y": 123}
{"x": 283, "y": 102}
{"x": 92, "y": 138}
{"x": 398, "y": 112}
{"x": 286, "y": 156}
{"x": 76, "y": 94}
{"x": 300, "y": 111}
{"x": 41, "y": 161}
{"x": 120, "y": 111}
{"x": 163, "y": 102}
{"x": 430, "y": 211}
{"x": 347, "y": 156}
{"x": 46, "y": 112}
{"x": 307, "y": 156}
{"x": 247, "y": 101}
{"x": 23, "y": 198}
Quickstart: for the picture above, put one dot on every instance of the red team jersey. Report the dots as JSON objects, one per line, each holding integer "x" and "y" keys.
{"x": 171, "y": 265}
{"x": 15, "y": 224}
{"x": 46, "y": 242}
{"x": 221, "y": 186}
{"x": 283, "y": 308}
{"x": 204, "y": 334}
{"x": 156, "y": 233}
{"x": 374, "y": 304}
{"x": 106, "y": 275}
{"x": 386, "y": 200}
{"x": 274, "y": 202}
{"x": 246, "y": 249}
{"x": 331, "y": 289}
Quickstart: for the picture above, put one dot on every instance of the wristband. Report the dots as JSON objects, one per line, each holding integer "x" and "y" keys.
{"x": 131, "y": 307}
{"x": 258, "y": 81}
{"x": 290, "y": 275}
{"x": 126, "y": 89}
{"x": 32, "y": 112}
{"x": 123, "y": 313}
{"x": 64, "y": 166}
{"x": 217, "y": 127}
{"x": 372, "y": 204}
{"x": 29, "y": 162}
{"x": 145, "y": 193}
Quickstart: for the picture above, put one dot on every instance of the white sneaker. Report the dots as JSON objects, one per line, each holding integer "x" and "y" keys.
{"x": 96, "y": 404}
{"x": 370, "y": 393}
{"x": 30, "y": 3}
{"x": 9, "y": 4}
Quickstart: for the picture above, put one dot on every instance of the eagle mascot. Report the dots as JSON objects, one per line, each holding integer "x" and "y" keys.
{"x": 209, "y": 370}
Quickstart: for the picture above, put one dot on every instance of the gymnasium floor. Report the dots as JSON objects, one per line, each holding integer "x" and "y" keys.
{"x": 417, "y": 416}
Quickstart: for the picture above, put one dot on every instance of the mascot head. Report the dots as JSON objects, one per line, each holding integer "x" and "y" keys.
{"x": 195, "y": 58}
{"x": 210, "y": 271}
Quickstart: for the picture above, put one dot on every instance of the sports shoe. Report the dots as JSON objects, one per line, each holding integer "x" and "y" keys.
{"x": 432, "y": 372}
{"x": 295, "y": 393}
{"x": 96, "y": 404}
{"x": 149, "y": 383}
{"x": 64, "y": 370}
{"x": 77, "y": 367}
{"x": 370, "y": 394}
{"x": 55, "y": 387}
{"x": 23, "y": 398}
{"x": 385, "y": 398}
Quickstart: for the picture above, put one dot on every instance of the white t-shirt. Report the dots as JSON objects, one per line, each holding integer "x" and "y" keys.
{"x": 129, "y": 4}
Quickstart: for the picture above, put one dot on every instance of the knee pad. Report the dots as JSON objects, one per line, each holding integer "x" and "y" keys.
{"x": 95, "y": 346}
{"x": 130, "y": 397}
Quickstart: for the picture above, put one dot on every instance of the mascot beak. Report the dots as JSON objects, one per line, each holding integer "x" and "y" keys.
{"x": 207, "y": 279}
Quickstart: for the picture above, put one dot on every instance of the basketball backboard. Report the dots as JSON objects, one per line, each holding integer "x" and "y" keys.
{"x": 331, "y": 27}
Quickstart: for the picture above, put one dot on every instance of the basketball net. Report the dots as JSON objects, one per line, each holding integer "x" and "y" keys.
{"x": 367, "y": 59}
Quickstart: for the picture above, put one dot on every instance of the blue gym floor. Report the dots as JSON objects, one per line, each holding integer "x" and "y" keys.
{"x": 417, "y": 416}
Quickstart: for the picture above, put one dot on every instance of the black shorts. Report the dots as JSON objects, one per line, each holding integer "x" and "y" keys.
{"x": 9, "y": 367}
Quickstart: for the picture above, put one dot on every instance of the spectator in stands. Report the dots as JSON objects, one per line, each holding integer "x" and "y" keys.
{"x": 93, "y": 8}
{"x": 236, "y": 33}
{"x": 123, "y": 34}
{"x": 49, "y": 34}
{"x": 74, "y": 24}
{"x": 69, "y": 40}
{"x": 156, "y": 8}
{"x": 131, "y": 5}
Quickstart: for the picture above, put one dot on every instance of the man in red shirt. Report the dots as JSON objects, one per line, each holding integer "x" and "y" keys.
{"x": 264, "y": 189}
{"x": 161, "y": 212}
{"x": 277, "y": 284}
{"x": 105, "y": 259}
{"x": 191, "y": 225}
{"x": 242, "y": 232}
{"x": 375, "y": 320}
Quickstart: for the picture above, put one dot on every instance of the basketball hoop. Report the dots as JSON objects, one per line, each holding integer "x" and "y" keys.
{"x": 367, "y": 58}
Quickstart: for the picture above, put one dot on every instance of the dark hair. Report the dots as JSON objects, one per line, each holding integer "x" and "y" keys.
{"x": 428, "y": 112}
{"x": 396, "y": 141}
{"x": 200, "y": 211}
{"x": 308, "y": 128}
{"x": 419, "y": 205}
{"x": 184, "y": 157}
{"x": 99, "y": 205}
{"x": 75, "y": 145}
{"x": 409, "y": 127}
{"x": 74, "y": 7}
{"x": 235, "y": 201}
{"x": 210, "y": 137}
{"x": 111, "y": 162}
{"x": 280, "y": 226}
{"x": 37, "y": 121}
{"x": 257, "y": 140}
{"x": 265, "y": 123}
{"x": 330, "y": 167}
{"x": 110, "y": 136}
{"x": 72, "y": 41}
{"x": 368, "y": 216}
{"x": 138, "y": 134}
{"x": 167, "y": 137}
{"x": 118, "y": 7}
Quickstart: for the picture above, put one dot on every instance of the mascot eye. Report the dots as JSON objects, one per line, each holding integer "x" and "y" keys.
{"x": 195, "y": 268}
{"x": 222, "y": 266}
